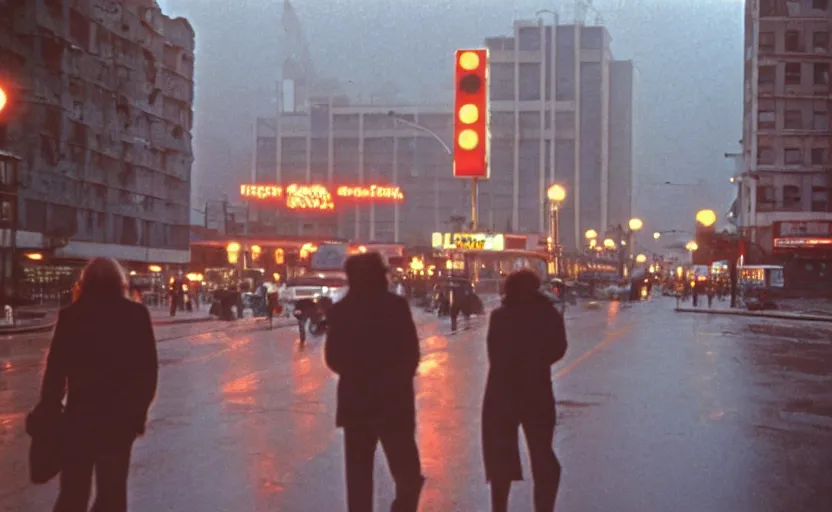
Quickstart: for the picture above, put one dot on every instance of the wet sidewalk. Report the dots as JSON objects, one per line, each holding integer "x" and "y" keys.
{"x": 786, "y": 310}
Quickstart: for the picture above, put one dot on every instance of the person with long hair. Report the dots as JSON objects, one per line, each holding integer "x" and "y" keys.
{"x": 373, "y": 347}
{"x": 526, "y": 336}
{"x": 103, "y": 359}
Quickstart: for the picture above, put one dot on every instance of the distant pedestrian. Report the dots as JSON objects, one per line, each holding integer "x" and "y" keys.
{"x": 526, "y": 336}
{"x": 373, "y": 347}
{"x": 103, "y": 359}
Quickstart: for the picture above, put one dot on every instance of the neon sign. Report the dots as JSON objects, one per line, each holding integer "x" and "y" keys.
{"x": 318, "y": 197}
{"x": 308, "y": 197}
{"x": 371, "y": 192}
{"x": 261, "y": 191}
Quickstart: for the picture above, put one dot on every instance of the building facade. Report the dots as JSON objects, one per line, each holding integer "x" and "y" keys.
{"x": 573, "y": 93}
{"x": 102, "y": 98}
{"x": 786, "y": 186}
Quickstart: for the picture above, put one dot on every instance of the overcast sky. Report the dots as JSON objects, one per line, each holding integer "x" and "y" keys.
{"x": 688, "y": 53}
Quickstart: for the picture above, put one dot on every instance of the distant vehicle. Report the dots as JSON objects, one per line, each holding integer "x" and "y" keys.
{"x": 309, "y": 298}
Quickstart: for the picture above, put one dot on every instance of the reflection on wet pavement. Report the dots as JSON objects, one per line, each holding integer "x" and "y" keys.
{"x": 657, "y": 412}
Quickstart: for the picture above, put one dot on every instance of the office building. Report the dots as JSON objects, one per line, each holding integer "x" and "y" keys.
{"x": 785, "y": 193}
{"x": 576, "y": 94}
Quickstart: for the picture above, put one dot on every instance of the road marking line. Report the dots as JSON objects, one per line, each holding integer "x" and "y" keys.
{"x": 591, "y": 352}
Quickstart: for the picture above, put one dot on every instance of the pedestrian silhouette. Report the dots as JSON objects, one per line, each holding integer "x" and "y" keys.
{"x": 373, "y": 347}
{"x": 526, "y": 336}
{"x": 103, "y": 358}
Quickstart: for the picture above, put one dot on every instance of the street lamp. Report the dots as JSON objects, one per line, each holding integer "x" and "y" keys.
{"x": 556, "y": 194}
{"x": 609, "y": 243}
{"x": 692, "y": 246}
{"x": 657, "y": 235}
{"x": 706, "y": 218}
{"x": 635, "y": 224}
{"x": 591, "y": 234}
{"x": 641, "y": 258}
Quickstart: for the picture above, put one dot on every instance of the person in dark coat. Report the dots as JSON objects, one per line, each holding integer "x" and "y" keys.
{"x": 526, "y": 336}
{"x": 373, "y": 347}
{"x": 103, "y": 358}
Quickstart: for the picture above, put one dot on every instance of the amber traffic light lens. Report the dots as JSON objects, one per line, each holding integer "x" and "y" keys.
{"x": 469, "y": 114}
{"x": 470, "y": 84}
{"x": 3, "y": 99}
{"x": 468, "y": 140}
{"x": 469, "y": 61}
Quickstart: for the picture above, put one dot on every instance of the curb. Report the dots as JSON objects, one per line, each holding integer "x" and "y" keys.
{"x": 32, "y": 329}
{"x": 759, "y": 314}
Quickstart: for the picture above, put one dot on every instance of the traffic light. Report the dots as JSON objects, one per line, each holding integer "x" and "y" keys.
{"x": 471, "y": 113}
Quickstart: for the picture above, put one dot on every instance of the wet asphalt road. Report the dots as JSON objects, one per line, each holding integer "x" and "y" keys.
{"x": 658, "y": 411}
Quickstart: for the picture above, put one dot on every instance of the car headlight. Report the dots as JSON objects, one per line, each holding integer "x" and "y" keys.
{"x": 324, "y": 290}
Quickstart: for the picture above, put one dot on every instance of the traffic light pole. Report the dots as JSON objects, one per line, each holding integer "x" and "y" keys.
{"x": 474, "y": 209}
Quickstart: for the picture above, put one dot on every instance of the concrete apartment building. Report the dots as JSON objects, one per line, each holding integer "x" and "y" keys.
{"x": 785, "y": 193}
{"x": 591, "y": 119}
{"x": 103, "y": 95}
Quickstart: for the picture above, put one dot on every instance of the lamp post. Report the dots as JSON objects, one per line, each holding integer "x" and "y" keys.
{"x": 556, "y": 194}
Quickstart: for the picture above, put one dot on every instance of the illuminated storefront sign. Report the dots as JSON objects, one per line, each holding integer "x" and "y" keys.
{"x": 318, "y": 197}
{"x": 371, "y": 192}
{"x": 468, "y": 241}
{"x": 802, "y": 235}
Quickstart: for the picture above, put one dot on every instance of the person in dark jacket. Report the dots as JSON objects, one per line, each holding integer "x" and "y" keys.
{"x": 526, "y": 336}
{"x": 373, "y": 347}
{"x": 103, "y": 358}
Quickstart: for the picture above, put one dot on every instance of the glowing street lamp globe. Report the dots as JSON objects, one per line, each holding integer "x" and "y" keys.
{"x": 635, "y": 224}
{"x": 656, "y": 235}
{"x": 591, "y": 234}
{"x": 641, "y": 258}
{"x": 609, "y": 243}
{"x": 556, "y": 193}
{"x": 706, "y": 218}
{"x": 692, "y": 246}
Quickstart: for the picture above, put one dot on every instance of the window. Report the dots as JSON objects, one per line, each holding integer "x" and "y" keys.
{"x": 793, "y": 73}
{"x": 766, "y": 119}
{"x": 765, "y": 155}
{"x": 767, "y": 75}
{"x": 821, "y": 70}
{"x": 792, "y": 41}
{"x": 820, "y": 42}
{"x": 820, "y": 156}
{"x": 794, "y": 120}
{"x": 767, "y": 42}
{"x": 529, "y": 75}
{"x": 820, "y": 199}
{"x": 528, "y": 39}
{"x": 792, "y": 156}
{"x": 820, "y": 121}
{"x": 791, "y": 197}
{"x": 765, "y": 197}
{"x": 820, "y": 5}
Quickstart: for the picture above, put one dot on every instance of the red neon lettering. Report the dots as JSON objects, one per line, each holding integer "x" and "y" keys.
{"x": 371, "y": 192}
{"x": 308, "y": 197}
{"x": 261, "y": 191}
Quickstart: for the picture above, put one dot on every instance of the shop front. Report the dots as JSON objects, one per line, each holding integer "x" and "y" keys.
{"x": 804, "y": 249}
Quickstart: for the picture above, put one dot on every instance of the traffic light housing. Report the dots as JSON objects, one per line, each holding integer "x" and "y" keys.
{"x": 471, "y": 114}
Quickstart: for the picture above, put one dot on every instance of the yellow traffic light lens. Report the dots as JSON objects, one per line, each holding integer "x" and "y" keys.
{"x": 469, "y": 114}
{"x": 3, "y": 99}
{"x": 469, "y": 61}
{"x": 468, "y": 140}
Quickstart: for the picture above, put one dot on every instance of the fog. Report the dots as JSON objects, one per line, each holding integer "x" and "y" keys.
{"x": 688, "y": 54}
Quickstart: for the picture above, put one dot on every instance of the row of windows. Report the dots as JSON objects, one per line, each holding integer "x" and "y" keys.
{"x": 792, "y": 198}
{"x": 794, "y": 73}
{"x": 793, "y": 156}
{"x": 795, "y": 42}
{"x": 794, "y": 119}
{"x": 780, "y": 8}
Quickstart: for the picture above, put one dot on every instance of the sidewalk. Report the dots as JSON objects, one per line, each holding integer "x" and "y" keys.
{"x": 160, "y": 316}
{"x": 723, "y": 308}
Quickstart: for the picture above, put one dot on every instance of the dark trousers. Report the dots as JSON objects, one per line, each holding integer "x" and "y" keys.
{"x": 399, "y": 446}
{"x": 546, "y": 469}
{"x": 110, "y": 460}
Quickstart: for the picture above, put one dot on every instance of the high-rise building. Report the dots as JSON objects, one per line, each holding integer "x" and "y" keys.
{"x": 785, "y": 193}
{"x": 577, "y": 95}
{"x": 103, "y": 114}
